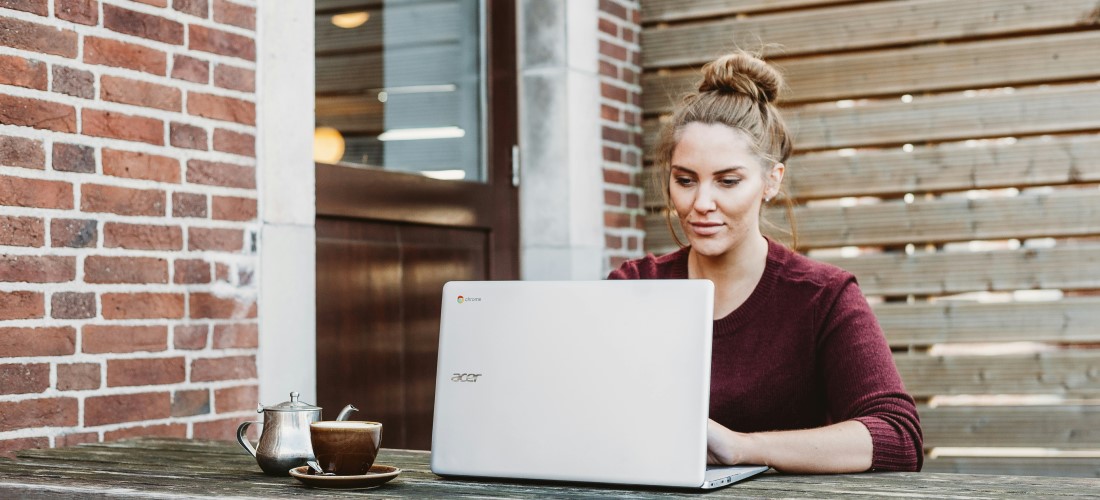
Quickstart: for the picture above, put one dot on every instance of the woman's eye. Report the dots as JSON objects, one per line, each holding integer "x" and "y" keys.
{"x": 729, "y": 181}
{"x": 684, "y": 181}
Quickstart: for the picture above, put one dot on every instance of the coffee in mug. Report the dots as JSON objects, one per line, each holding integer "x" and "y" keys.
{"x": 345, "y": 448}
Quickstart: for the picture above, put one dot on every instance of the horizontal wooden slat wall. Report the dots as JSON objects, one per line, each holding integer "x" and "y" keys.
{"x": 947, "y": 154}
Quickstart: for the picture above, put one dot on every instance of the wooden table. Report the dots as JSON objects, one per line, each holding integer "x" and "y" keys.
{"x": 175, "y": 468}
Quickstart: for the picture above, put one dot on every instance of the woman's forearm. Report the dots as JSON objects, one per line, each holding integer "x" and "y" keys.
{"x": 837, "y": 448}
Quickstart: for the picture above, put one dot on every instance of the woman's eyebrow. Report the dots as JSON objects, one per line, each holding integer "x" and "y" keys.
{"x": 720, "y": 172}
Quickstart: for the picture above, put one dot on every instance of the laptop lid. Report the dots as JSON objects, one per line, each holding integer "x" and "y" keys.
{"x": 600, "y": 381}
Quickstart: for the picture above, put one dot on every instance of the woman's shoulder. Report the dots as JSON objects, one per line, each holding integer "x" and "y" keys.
{"x": 799, "y": 268}
{"x": 670, "y": 265}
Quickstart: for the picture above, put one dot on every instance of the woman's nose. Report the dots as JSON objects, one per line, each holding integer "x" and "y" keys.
{"x": 704, "y": 202}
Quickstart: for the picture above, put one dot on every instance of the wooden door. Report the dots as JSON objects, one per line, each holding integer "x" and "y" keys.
{"x": 387, "y": 241}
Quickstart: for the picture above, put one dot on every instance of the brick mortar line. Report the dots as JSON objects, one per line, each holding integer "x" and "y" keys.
{"x": 120, "y": 288}
{"x": 622, "y": 167}
{"x": 27, "y": 16}
{"x": 619, "y": 65}
{"x": 623, "y": 188}
{"x": 99, "y": 321}
{"x": 247, "y": 293}
{"x": 620, "y": 126}
{"x": 168, "y": 81}
{"x": 99, "y": 31}
{"x": 80, "y": 357}
{"x": 58, "y": 431}
{"x": 621, "y": 84}
{"x": 48, "y": 137}
{"x": 108, "y": 180}
{"x": 625, "y": 231}
{"x": 125, "y": 288}
{"x": 80, "y": 102}
{"x": 130, "y": 109}
{"x": 131, "y": 389}
{"x": 105, "y": 390}
{"x": 127, "y": 252}
{"x": 629, "y": 8}
{"x": 53, "y": 287}
{"x": 170, "y": 14}
{"x": 620, "y": 105}
{"x": 554, "y": 71}
{"x": 630, "y": 46}
{"x": 621, "y": 25}
{"x": 619, "y": 167}
{"x": 206, "y": 346}
{"x": 65, "y": 286}
{"x": 180, "y": 16}
{"x": 621, "y": 123}
{"x": 623, "y": 147}
{"x": 79, "y": 179}
{"x": 183, "y": 253}
{"x": 183, "y": 223}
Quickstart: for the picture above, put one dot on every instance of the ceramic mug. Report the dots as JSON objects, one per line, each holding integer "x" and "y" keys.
{"x": 345, "y": 448}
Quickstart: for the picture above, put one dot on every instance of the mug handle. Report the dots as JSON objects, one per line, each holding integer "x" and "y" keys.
{"x": 243, "y": 440}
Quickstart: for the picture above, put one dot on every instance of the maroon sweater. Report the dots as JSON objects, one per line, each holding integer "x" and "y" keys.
{"x": 803, "y": 351}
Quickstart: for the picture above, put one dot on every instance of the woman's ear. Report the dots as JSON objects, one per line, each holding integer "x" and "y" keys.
{"x": 775, "y": 179}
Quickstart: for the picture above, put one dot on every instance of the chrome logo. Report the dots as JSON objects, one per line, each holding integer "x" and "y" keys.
{"x": 461, "y": 299}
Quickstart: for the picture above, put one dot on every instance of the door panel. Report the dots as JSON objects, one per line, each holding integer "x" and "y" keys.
{"x": 378, "y": 317}
{"x": 359, "y": 323}
{"x": 387, "y": 241}
{"x": 430, "y": 257}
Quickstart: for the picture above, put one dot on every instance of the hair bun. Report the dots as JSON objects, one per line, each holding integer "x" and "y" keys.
{"x": 741, "y": 72}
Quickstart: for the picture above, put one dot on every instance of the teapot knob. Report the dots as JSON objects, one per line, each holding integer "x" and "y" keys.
{"x": 294, "y": 396}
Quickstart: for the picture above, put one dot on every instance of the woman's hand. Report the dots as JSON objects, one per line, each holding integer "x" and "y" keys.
{"x": 724, "y": 447}
{"x": 841, "y": 447}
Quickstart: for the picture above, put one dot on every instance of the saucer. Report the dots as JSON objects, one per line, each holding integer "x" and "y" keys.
{"x": 378, "y": 475}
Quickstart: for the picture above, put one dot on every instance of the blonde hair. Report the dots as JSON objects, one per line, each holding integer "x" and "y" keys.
{"x": 738, "y": 90}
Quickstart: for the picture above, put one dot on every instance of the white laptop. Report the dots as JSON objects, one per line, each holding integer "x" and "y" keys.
{"x": 593, "y": 381}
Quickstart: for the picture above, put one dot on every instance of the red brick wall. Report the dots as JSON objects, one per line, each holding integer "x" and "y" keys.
{"x": 620, "y": 116}
{"x": 128, "y": 215}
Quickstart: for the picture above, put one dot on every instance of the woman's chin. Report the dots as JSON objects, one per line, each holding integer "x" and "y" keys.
{"x": 708, "y": 247}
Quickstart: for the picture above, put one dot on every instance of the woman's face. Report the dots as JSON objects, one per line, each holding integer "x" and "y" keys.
{"x": 717, "y": 185}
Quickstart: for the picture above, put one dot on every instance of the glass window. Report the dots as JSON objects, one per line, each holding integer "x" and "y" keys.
{"x": 400, "y": 87}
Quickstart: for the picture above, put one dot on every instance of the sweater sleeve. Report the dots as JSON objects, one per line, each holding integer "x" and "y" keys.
{"x": 862, "y": 383}
{"x": 624, "y": 272}
{"x": 634, "y": 269}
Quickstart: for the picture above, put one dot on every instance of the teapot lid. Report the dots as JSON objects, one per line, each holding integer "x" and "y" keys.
{"x": 292, "y": 405}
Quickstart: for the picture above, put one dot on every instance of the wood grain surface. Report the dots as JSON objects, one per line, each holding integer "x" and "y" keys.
{"x": 167, "y": 468}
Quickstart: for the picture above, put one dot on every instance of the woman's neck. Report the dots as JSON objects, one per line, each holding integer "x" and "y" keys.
{"x": 743, "y": 262}
{"x": 735, "y": 273}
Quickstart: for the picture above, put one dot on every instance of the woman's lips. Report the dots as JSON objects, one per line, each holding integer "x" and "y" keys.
{"x": 706, "y": 228}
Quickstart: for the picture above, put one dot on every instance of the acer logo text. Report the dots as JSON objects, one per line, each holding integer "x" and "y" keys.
{"x": 465, "y": 377}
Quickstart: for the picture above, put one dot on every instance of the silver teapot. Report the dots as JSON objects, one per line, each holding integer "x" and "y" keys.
{"x": 284, "y": 442}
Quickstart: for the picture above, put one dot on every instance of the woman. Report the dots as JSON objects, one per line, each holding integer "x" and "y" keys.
{"x": 802, "y": 379}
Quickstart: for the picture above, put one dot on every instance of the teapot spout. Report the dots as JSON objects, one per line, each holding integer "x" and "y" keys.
{"x": 346, "y": 412}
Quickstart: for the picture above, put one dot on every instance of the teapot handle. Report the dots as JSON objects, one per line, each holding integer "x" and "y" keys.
{"x": 243, "y": 440}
